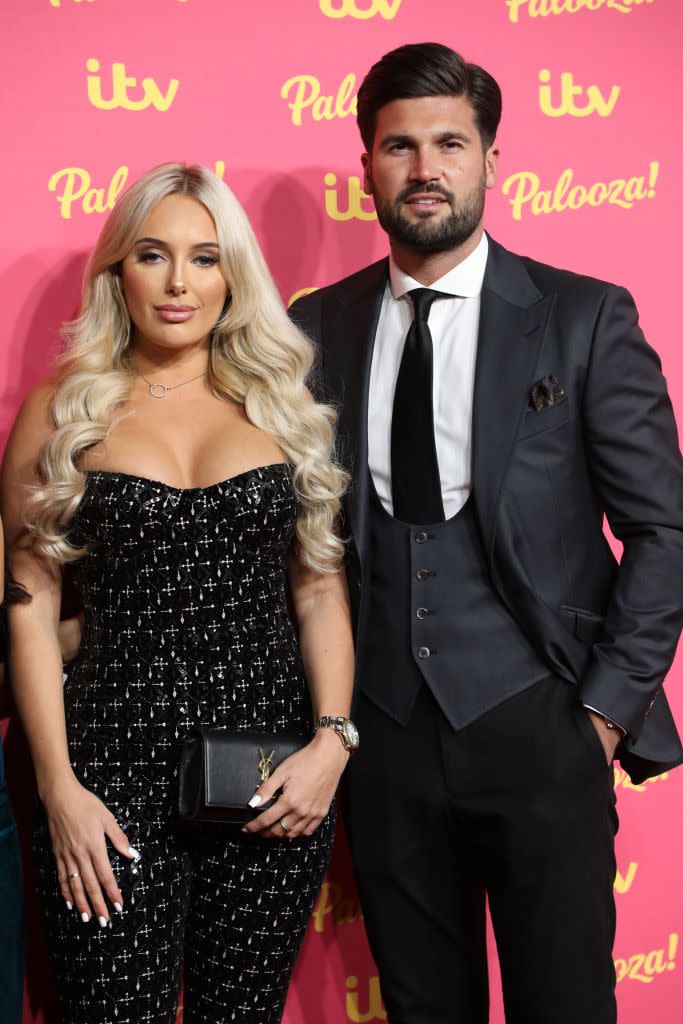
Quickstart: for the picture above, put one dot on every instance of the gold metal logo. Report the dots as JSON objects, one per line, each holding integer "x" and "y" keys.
{"x": 265, "y": 764}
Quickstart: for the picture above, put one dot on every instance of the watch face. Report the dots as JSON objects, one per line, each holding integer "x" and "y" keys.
{"x": 350, "y": 734}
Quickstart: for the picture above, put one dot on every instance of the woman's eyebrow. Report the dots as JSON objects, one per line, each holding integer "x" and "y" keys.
{"x": 160, "y": 241}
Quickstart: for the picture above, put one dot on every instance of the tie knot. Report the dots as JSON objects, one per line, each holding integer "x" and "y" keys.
{"x": 422, "y": 301}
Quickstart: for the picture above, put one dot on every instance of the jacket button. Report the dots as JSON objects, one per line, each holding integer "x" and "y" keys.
{"x": 422, "y": 613}
{"x": 421, "y": 537}
{"x": 423, "y": 652}
{"x": 422, "y": 574}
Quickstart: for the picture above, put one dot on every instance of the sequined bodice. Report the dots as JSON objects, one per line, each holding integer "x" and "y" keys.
{"x": 183, "y": 567}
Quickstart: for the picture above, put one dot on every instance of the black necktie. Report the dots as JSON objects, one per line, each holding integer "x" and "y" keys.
{"x": 415, "y": 485}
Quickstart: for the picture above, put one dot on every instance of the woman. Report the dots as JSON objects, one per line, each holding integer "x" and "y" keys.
{"x": 179, "y": 462}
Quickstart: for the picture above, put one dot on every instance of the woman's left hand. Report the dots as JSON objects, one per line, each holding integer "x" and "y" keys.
{"x": 308, "y": 780}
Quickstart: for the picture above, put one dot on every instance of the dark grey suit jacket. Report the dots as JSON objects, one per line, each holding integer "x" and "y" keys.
{"x": 543, "y": 480}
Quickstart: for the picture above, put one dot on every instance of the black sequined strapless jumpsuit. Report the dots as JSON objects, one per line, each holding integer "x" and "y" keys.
{"x": 186, "y": 624}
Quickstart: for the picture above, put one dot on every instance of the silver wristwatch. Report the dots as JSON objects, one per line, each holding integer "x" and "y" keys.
{"x": 344, "y": 728}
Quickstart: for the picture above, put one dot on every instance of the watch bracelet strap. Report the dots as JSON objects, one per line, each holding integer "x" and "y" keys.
{"x": 330, "y": 721}
{"x": 336, "y": 724}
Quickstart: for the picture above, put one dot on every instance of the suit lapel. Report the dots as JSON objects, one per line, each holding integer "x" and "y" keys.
{"x": 350, "y": 328}
{"x": 511, "y": 331}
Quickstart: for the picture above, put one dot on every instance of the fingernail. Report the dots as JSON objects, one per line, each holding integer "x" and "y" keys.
{"x": 255, "y": 800}
{"x": 245, "y": 830}
{"x": 132, "y": 852}
{"x": 117, "y": 906}
{"x": 69, "y": 905}
{"x": 103, "y": 922}
{"x": 85, "y": 917}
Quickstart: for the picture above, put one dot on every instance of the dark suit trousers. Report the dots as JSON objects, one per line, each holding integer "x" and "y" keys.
{"x": 519, "y": 806}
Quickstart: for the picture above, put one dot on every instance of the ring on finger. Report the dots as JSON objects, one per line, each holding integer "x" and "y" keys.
{"x": 285, "y": 826}
{"x": 75, "y": 874}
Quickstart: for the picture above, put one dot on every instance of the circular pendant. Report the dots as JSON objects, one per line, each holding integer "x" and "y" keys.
{"x": 158, "y": 390}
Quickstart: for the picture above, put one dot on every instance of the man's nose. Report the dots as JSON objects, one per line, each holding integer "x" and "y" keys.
{"x": 425, "y": 166}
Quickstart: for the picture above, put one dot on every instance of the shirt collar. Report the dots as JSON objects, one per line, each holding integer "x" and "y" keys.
{"x": 465, "y": 280}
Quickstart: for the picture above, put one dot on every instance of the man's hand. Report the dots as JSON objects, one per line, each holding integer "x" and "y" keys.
{"x": 608, "y": 737}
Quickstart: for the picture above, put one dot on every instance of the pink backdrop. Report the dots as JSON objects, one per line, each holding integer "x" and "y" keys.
{"x": 96, "y": 91}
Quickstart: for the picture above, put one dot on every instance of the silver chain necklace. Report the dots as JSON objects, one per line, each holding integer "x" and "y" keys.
{"x": 161, "y": 390}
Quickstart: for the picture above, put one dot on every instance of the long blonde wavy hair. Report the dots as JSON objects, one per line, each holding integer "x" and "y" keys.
{"x": 257, "y": 358}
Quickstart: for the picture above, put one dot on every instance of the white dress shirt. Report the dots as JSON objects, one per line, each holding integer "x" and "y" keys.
{"x": 454, "y": 326}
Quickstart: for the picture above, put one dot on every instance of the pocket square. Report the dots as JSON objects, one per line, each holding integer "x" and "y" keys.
{"x": 546, "y": 391}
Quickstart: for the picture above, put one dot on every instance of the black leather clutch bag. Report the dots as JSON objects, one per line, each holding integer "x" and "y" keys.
{"x": 220, "y": 770}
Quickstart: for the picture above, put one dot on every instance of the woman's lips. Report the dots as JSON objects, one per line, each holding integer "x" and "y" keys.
{"x": 175, "y": 314}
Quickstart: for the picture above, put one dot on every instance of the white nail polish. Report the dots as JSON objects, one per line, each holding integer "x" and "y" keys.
{"x": 132, "y": 852}
{"x": 103, "y": 922}
{"x": 117, "y": 906}
{"x": 85, "y": 917}
{"x": 69, "y": 905}
{"x": 255, "y": 800}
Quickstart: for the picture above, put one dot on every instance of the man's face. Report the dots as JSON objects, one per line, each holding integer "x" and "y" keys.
{"x": 428, "y": 172}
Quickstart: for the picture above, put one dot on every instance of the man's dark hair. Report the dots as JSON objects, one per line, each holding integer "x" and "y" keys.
{"x": 428, "y": 69}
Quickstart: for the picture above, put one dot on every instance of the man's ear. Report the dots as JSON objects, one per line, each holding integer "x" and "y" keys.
{"x": 491, "y": 160}
{"x": 367, "y": 173}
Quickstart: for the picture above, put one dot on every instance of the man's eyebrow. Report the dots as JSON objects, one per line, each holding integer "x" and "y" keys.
{"x": 455, "y": 133}
{"x": 443, "y": 136}
{"x": 160, "y": 241}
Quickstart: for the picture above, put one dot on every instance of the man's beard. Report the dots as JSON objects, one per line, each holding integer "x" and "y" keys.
{"x": 433, "y": 234}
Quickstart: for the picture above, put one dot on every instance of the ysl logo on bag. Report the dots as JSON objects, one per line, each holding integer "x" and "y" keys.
{"x": 264, "y": 764}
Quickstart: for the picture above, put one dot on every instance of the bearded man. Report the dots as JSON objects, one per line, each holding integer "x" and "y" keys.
{"x": 493, "y": 409}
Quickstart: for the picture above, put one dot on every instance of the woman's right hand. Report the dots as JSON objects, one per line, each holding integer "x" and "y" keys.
{"x": 78, "y": 823}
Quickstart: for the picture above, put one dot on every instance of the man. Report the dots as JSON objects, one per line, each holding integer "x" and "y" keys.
{"x": 492, "y": 408}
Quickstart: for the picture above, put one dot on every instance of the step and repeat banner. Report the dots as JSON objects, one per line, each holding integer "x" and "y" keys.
{"x": 94, "y": 92}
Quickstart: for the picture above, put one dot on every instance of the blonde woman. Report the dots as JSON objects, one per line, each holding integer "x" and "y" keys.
{"x": 178, "y": 461}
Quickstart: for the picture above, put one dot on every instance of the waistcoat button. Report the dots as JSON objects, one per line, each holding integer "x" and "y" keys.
{"x": 422, "y": 613}
{"x": 422, "y": 574}
{"x": 423, "y": 652}
{"x": 421, "y": 537}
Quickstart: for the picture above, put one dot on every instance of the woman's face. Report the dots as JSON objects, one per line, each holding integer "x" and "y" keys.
{"x": 174, "y": 288}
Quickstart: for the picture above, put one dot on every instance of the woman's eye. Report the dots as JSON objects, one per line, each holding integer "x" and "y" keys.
{"x": 201, "y": 259}
{"x": 149, "y": 257}
{"x": 206, "y": 260}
